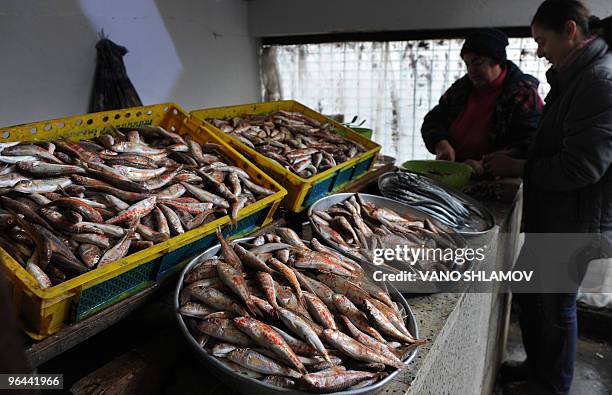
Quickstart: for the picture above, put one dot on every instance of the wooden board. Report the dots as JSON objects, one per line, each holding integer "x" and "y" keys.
{"x": 71, "y": 335}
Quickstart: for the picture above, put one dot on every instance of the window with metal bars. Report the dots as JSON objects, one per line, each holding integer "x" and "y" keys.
{"x": 392, "y": 85}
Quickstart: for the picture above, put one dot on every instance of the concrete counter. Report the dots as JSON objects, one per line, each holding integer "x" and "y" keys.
{"x": 467, "y": 330}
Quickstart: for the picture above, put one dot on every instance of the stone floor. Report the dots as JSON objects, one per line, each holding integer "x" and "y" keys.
{"x": 593, "y": 372}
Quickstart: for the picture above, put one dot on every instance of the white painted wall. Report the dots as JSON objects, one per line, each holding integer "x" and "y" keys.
{"x": 295, "y": 17}
{"x": 195, "y": 52}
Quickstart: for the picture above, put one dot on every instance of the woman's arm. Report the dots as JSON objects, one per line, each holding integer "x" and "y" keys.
{"x": 503, "y": 165}
{"x": 435, "y": 126}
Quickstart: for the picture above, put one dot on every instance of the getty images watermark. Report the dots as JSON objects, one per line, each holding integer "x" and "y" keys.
{"x": 545, "y": 263}
{"x": 454, "y": 260}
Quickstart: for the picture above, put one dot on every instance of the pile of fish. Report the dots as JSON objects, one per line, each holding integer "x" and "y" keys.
{"x": 67, "y": 207}
{"x": 294, "y": 316}
{"x": 450, "y": 208}
{"x": 300, "y": 144}
{"x": 357, "y": 228}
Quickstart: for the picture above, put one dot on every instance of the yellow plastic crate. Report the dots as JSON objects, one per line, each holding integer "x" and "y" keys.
{"x": 43, "y": 312}
{"x": 301, "y": 192}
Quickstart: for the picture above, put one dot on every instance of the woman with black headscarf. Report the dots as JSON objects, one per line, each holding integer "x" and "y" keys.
{"x": 495, "y": 107}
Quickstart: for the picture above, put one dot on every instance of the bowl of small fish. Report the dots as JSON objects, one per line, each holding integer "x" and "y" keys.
{"x": 365, "y": 227}
{"x": 461, "y": 212}
{"x": 276, "y": 314}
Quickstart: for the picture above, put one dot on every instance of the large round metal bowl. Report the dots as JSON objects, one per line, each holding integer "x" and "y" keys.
{"x": 487, "y": 217}
{"x": 417, "y": 286}
{"x": 250, "y": 386}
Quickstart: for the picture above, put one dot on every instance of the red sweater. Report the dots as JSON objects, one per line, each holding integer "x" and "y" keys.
{"x": 469, "y": 132}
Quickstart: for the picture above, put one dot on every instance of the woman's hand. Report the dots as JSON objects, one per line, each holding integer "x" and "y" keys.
{"x": 445, "y": 151}
{"x": 476, "y": 165}
{"x": 502, "y": 165}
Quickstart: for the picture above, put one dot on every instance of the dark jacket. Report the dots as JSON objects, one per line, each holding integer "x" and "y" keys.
{"x": 568, "y": 181}
{"x": 515, "y": 117}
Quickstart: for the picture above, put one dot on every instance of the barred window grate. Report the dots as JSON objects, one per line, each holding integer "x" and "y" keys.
{"x": 392, "y": 85}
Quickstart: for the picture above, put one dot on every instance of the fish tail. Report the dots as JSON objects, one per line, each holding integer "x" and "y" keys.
{"x": 300, "y": 297}
{"x": 219, "y": 234}
{"x": 253, "y": 309}
{"x": 327, "y": 358}
{"x": 418, "y": 342}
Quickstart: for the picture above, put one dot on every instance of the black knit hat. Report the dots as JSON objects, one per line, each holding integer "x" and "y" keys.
{"x": 486, "y": 42}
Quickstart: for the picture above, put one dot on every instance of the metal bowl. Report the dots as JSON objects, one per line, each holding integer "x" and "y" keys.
{"x": 418, "y": 286}
{"x": 250, "y": 386}
{"x": 384, "y": 160}
{"x": 487, "y": 217}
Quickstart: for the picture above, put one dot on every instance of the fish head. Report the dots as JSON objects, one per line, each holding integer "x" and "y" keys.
{"x": 22, "y": 186}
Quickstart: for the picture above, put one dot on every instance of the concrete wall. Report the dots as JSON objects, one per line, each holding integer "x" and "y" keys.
{"x": 197, "y": 53}
{"x": 287, "y": 17}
